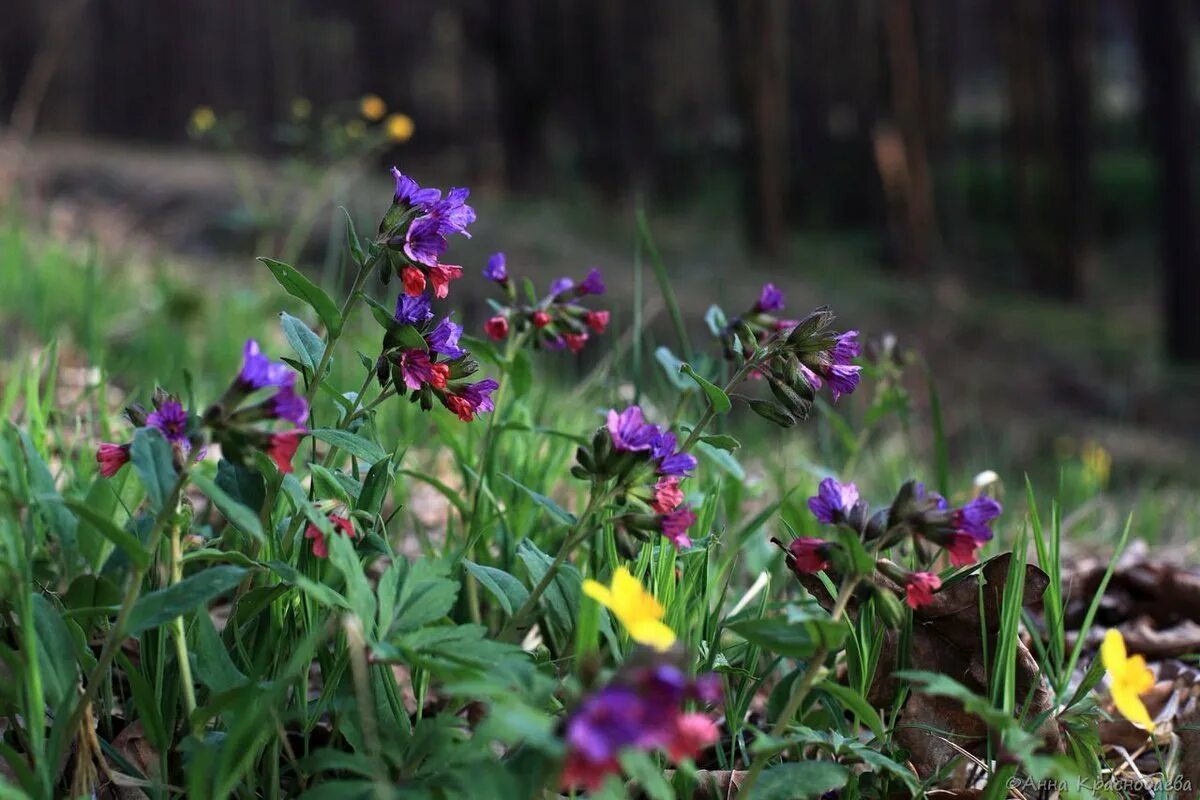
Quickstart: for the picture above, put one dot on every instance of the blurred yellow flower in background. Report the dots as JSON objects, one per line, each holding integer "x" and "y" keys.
{"x": 301, "y": 108}
{"x": 1097, "y": 463}
{"x": 372, "y": 107}
{"x": 399, "y": 127}
{"x": 203, "y": 119}
{"x": 1130, "y": 679}
{"x": 355, "y": 129}
{"x": 636, "y": 609}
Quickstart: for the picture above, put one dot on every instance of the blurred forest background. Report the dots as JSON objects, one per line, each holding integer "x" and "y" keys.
{"x": 1010, "y": 185}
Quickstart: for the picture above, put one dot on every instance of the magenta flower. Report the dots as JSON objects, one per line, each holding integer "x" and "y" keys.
{"x": 111, "y": 457}
{"x": 808, "y": 555}
{"x": 629, "y": 431}
{"x": 675, "y": 526}
{"x": 416, "y": 370}
{"x": 919, "y": 588}
{"x": 833, "y": 501}
{"x": 472, "y": 399}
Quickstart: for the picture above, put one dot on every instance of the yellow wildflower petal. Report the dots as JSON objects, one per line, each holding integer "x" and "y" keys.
{"x": 399, "y": 127}
{"x": 1112, "y": 654}
{"x": 1138, "y": 676}
{"x": 1131, "y": 706}
{"x": 631, "y": 600}
{"x": 372, "y": 107}
{"x": 652, "y": 633}
{"x": 598, "y": 592}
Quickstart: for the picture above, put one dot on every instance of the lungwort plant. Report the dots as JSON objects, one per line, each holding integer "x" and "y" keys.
{"x": 245, "y": 595}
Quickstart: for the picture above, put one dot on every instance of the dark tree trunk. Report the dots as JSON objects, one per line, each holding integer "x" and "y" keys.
{"x": 758, "y": 60}
{"x": 1165, "y": 31}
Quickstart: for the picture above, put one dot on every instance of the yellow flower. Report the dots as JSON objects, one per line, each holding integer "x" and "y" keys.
{"x": 1097, "y": 463}
{"x": 636, "y": 608}
{"x": 355, "y": 129}
{"x": 301, "y": 108}
{"x": 373, "y": 107}
{"x": 399, "y": 127}
{"x": 203, "y": 119}
{"x": 1130, "y": 678}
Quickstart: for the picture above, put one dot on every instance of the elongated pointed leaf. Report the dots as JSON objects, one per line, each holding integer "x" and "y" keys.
{"x": 191, "y": 593}
{"x": 300, "y": 287}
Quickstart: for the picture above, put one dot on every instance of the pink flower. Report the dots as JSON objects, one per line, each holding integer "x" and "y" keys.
{"x": 596, "y": 320}
{"x": 111, "y": 457}
{"x": 667, "y": 495}
{"x": 414, "y": 281}
{"x": 693, "y": 733}
{"x": 575, "y": 341}
{"x": 962, "y": 548}
{"x": 320, "y": 547}
{"x": 809, "y": 555}
{"x": 282, "y": 446}
{"x": 540, "y": 319}
{"x": 441, "y": 275}
{"x": 497, "y": 327}
{"x": 919, "y": 588}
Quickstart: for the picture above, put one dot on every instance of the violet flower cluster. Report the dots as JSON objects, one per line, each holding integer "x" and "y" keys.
{"x": 642, "y": 709}
{"x": 234, "y": 423}
{"x": 914, "y": 513}
{"x": 425, "y": 361}
{"x": 557, "y": 320}
{"x": 416, "y": 232}
{"x": 649, "y": 466}
{"x": 798, "y": 357}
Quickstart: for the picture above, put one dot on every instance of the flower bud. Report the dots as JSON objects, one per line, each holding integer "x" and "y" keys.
{"x": 810, "y": 326}
{"x": 584, "y": 457}
{"x": 796, "y": 405}
{"x": 888, "y": 607}
{"x": 772, "y": 413}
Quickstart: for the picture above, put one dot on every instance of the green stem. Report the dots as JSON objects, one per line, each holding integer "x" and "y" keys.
{"x": 180, "y": 635}
{"x": 811, "y": 673}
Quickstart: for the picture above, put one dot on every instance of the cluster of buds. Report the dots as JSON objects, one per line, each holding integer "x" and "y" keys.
{"x": 557, "y": 320}
{"x": 795, "y": 357}
{"x": 641, "y": 709}
{"x": 425, "y": 361}
{"x": 263, "y": 392}
{"x": 914, "y": 513}
{"x": 648, "y": 465}
{"x": 415, "y": 234}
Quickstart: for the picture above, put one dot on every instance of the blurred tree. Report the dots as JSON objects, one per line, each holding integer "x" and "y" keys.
{"x": 1165, "y": 32}
{"x": 757, "y": 58}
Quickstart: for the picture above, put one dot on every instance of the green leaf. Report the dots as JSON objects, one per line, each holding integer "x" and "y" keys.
{"x": 317, "y": 591}
{"x": 344, "y": 558}
{"x": 383, "y": 315}
{"x": 721, "y": 441}
{"x": 239, "y": 516}
{"x": 639, "y": 766}
{"x": 375, "y": 487}
{"x": 716, "y": 320}
{"x": 214, "y": 668}
{"x": 300, "y": 287}
{"x": 326, "y": 485}
{"x": 191, "y": 593}
{"x": 856, "y": 703}
{"x": 154, "y": 461}
{"x": 796, "y": 780}
{"x": 791, "y": 638}
{"x": 520, "y": 372}
{"x": 554, "y": 509}
{"x": 357, "y": 446}
{"x": 125, "y": 541}
{"x": 308, "y": 346}
{"x": 562, "y": 597}
{"x": 242, "y": 484}
{"x": 356, "y": 249}
{"x": 716, "y": 396}
{"x": 507, "y": 590}
{"x": 55, "y": 653}
{"x": 672, "y": 366}
{"x": 59, "y": 522}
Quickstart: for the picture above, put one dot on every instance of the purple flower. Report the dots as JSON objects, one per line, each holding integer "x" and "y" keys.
{"x": 593, "y": 283}
{"x": 479, "y": 395}
{"x": 424, "y": 241}
{"x": 675, "y": 525}
{"x": 670, "y": 461}
{"x": 921, "y": 493}
{"x": 171, "y": 420}
{"x": 847, "y": 348}
{"x": 842, "y": 379}
{"x": 410, "y": 193}
{"x": 770, "y": 299}
{"x": 452, "y": 213}
{"x": 975, "y": 517}
{"x": 413, "y": 310}
{"x": 609, "y": 721}
{"x": 258, "y": 371}
{"x": 444, "y": 339}
{"x": 554, "y": 343}
{"x": 629, "y": 431}
{"x": 496, "y": 269}
{"x": 833, "y": 501}
{"x": 416, "y": 370}
{"x": 561, "y": 285}
{"x": 286, "y": 404}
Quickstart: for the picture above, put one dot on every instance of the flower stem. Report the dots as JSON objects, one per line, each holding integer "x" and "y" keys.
{"x": 177, "y": 629}
{"x": 800, "y": 692}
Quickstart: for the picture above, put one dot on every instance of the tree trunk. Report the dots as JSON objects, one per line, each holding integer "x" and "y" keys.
{"x": 1165, "y": 31}
{"x": 758, "y": 58}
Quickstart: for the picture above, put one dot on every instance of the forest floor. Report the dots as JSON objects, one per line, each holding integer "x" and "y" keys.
{"x": 1022, "y": 380}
